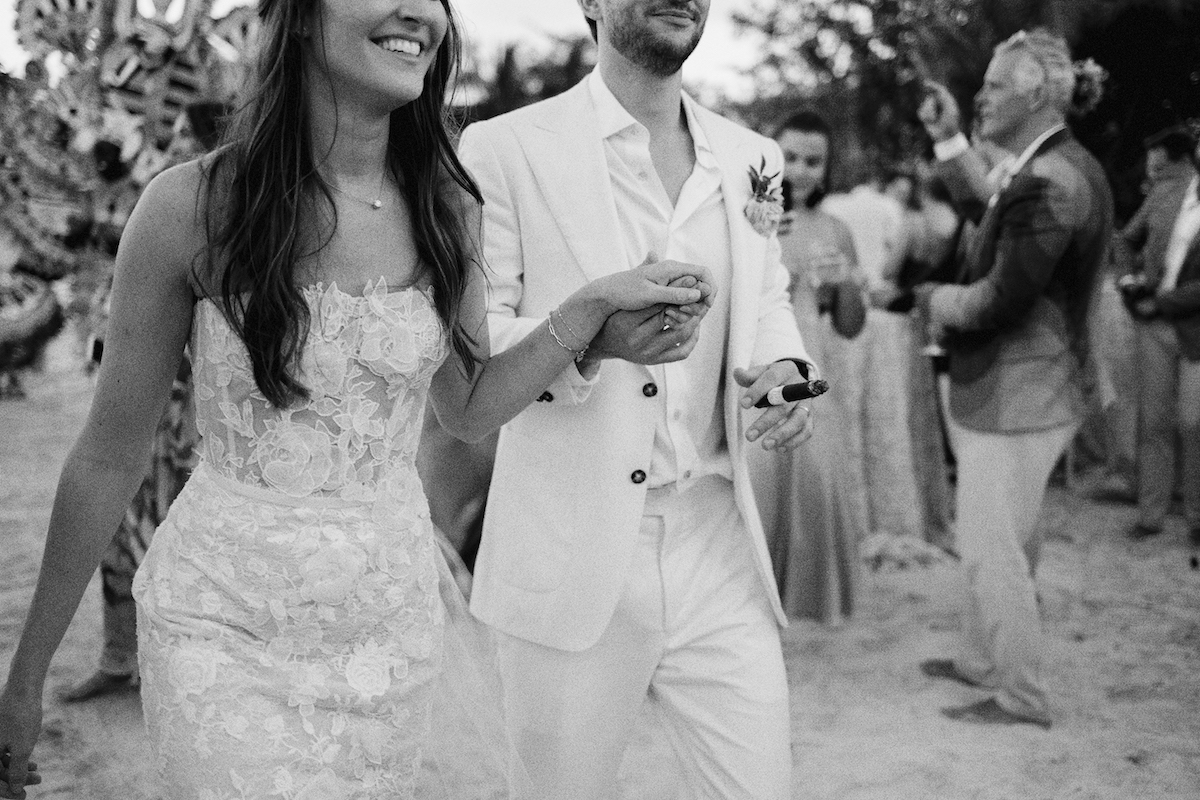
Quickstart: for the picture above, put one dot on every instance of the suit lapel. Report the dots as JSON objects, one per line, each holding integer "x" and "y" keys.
{"x": 746, "y": 246}
{"x": 566, "y": 157}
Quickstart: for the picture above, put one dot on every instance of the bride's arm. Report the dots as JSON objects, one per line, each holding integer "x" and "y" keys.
{"x": 504, "y": 384}
{"x": 151, "y": 317}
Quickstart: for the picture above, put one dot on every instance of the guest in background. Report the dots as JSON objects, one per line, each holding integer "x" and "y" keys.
{"x": 813, "y": 500}
{"x": 877, "y": 366}
{"x": 930, "y": 234}
{"x": 1163, "y": 295}
{"x": 1110, "y": 434}
{"x": 1016, "y": 330}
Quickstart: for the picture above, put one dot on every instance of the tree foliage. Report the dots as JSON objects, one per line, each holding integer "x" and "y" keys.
{"x": 521, "y": 76}
{"x": 863, "y": 61}
{"x": 871, "y": 57}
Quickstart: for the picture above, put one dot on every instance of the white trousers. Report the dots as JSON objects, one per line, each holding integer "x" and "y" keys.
{"x": 694, "y": 634}
{"x": 1001, "y": 484}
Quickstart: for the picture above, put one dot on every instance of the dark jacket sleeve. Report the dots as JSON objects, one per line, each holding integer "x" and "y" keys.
{"x": 1037, "y": 221}
{"x": 1137, "y": 229}
{"x": 966, "y": 180}
{"x": 1184, "y": 299}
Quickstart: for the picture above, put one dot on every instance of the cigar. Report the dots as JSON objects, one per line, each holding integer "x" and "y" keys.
{"x": 793, "y": 392}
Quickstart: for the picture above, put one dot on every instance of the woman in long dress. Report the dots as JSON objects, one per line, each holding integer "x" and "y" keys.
{"x": 813, "y": 501}
{"x": 298, "y": 635}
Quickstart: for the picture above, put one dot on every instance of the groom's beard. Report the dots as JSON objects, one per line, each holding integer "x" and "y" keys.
{"x": 633, "y": 38}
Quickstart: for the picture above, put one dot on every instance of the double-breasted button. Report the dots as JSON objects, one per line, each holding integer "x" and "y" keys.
{"x": 638, "y": 476}
{"x": 650, "y": 389}
{"x": 546, "y": 397}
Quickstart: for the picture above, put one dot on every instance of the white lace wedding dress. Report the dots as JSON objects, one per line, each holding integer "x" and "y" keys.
{"x": 300, "y": 636}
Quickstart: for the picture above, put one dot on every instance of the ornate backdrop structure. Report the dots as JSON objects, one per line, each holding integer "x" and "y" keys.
{"x": 115, "y": 92}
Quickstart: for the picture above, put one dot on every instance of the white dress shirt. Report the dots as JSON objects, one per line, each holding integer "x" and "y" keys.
{"x": 689, "y": 436}
{"x": 1187, "y": 225}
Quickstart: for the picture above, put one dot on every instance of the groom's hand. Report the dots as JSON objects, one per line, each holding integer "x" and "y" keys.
{"x": 645, "y": 337}
{"x": 781, "y": 428}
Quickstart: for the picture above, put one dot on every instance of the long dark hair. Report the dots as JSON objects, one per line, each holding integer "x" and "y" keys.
{"x": 809, "y": 122}
{"x": 264, "y": 179}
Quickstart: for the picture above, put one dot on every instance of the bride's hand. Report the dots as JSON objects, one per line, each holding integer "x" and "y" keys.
{"x": 20, "y": 724}
{"x": 651, "y": 285}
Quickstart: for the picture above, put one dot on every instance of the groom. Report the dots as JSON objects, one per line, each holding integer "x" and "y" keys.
{"x": 622, "y": 554}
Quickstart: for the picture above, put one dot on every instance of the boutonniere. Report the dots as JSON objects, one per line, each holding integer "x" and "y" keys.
{"x": 765, "y": 207}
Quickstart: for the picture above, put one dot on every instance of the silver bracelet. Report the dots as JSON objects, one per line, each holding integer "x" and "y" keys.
{"x": 579, "y": 354}
{"x": 570, "y": 330}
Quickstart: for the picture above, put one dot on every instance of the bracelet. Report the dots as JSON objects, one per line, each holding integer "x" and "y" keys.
{"x": 578, "y": 354}
{"x": 567, "y": 325}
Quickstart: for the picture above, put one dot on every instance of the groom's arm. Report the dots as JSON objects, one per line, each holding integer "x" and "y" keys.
{"x": 503, "y": 256}
{"x": 483, "y": 149}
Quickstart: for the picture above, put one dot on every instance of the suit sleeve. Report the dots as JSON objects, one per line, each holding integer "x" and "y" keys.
{"x": 485, "y": 149}
{"x": 1184, "y": 299}
{"x": 1037, "y": 223}
{"x": 778, "y": 338}
{"x": 501, "y": 235}
{"x": 966, "y": 178}
{"x": 1137, "y": 229}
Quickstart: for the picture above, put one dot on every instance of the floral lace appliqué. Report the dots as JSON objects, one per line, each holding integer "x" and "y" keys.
{"x": 366, "y": 363}
{"x": 289, "y": 615}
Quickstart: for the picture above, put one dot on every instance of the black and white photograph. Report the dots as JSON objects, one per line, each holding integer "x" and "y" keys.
{"x": 600, "y": 399}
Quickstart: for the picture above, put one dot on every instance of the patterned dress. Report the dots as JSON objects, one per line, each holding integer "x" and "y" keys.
{"x": 813, "y": 500}
{"x": 294, "y": 607}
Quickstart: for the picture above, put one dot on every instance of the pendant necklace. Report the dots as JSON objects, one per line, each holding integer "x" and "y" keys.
{"x": 375, "y": 204}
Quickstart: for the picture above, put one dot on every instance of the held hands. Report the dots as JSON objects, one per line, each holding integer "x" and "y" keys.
{"x": 20, "y": 724}
{"x": 781, "y": 428}
{"x": 939, "y": 112}
{"x": 650, "y": 285}
{"x": 660, "y": 333}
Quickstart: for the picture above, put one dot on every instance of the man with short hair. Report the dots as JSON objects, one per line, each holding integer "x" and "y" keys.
{"x": 1167, "y": 314}
{"x": 1015, "y": 329}
{"x": 623, "y": 559}
{"x": 1169, "y": 155}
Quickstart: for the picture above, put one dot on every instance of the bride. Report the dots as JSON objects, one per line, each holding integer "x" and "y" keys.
{"x": 296, "y": 637}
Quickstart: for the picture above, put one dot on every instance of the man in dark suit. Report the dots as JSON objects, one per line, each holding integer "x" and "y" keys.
{"x": 1015, "y": 328}
{"x": 1163, "y": 294}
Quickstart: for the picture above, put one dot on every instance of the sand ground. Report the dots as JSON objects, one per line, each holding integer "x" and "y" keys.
{"x": 1122, "y": 650}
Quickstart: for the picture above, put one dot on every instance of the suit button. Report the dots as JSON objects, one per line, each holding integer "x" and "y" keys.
{"x": 638, "y": 476}
{"x": 650, "y": 390}
{"x": 546, "y": 397}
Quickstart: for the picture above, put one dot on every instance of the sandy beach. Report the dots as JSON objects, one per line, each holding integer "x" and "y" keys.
{"x": 1122, "y": 624}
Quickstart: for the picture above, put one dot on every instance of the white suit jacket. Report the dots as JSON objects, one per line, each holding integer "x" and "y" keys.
{"x": 566, "y": 501}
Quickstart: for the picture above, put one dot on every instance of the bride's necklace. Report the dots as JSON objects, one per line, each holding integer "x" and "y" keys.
{"x": 375, "y": 204}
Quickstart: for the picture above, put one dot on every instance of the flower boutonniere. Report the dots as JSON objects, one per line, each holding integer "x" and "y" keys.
{"x": 765, "y": 207}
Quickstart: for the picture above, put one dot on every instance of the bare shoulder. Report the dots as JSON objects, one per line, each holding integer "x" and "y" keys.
{"x": 166, "y": 231}
{"x": 173, "y": 195}
{"x": 172, "y": 205}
